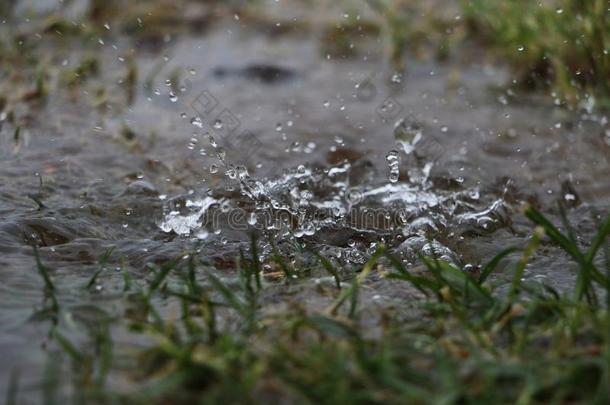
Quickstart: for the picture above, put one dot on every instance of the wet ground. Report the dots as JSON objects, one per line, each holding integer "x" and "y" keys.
{"x": 243, "y": 129}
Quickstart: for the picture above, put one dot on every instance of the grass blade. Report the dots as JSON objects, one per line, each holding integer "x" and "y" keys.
{"x": 598, "y": 241}
{"x": 44, "y": 272}
{"x": 277, "y": 257}
{"x": 366, "y": 270}
{"x": 103, "y": 261}
{"x": 330, "y": 269}
{"x": 422, "y": 284}
{"x": 161, "y": 276}
{"x": 525, "y": 258}
{"x": 68, "y": 347}
{"x": 491, "y": 266}
{"x": 231, "y": 298}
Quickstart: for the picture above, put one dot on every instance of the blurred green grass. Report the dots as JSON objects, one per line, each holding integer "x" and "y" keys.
{"x": 562, "y": 45}
{"x": 462, "y": 341}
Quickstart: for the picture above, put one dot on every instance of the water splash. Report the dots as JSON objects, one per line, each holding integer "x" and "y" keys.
{"x": 329, "y": 208}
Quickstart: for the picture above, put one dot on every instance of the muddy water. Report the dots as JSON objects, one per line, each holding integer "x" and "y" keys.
{"x": 313, "y": 133}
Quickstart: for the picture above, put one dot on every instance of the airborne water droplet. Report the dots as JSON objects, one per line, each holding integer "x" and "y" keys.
{"x": 407, "y": 135}
{"x": 393, "y": 160}
{"x": 196, "y": 121}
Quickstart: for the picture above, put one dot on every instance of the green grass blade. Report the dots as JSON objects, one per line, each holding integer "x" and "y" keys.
{"x": 228, "y": 295}
{"x": 461, "y": 282}
{"x": 103, "y": 261}
{"x": 330, "y": 269}
{"x": 256, "y": 264}
{"x": 535, "y": 216}
{"x": 599, "y": 240}
{"x": 528, "y": 252}
{"x": 491, "y": 266}
{"x": 68, "y": 347}
{"x": 161, "y": 276}
{"x": 366, "y": 270}
{"x": 422, "y": 284}
{"x": 279, "y": 259}
{"x": 44, "y": 272}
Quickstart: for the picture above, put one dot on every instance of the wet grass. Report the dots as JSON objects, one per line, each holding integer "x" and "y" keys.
{"x": 468, "y": 338}
{"x": 561, "y": 45}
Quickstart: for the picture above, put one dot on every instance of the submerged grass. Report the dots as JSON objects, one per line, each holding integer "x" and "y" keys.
{"x": 462, "y": 341}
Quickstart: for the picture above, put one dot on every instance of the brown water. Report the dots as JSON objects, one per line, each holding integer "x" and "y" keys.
{"x": 314, "y": 134}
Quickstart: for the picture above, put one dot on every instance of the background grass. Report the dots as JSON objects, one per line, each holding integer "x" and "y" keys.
{"x": 562, "y": 45}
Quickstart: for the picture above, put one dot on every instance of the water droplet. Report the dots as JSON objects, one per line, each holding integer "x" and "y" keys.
{"x": 231, "y": 173}
{"x": 407, "y": 135}
{"x": 196, "y": 121}
{"x": 393, "y": 159}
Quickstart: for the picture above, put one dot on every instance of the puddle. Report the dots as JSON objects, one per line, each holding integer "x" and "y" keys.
{"x": 238, "y": 132}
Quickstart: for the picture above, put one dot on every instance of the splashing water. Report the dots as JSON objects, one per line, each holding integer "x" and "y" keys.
{"x": 331, "y": 207}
